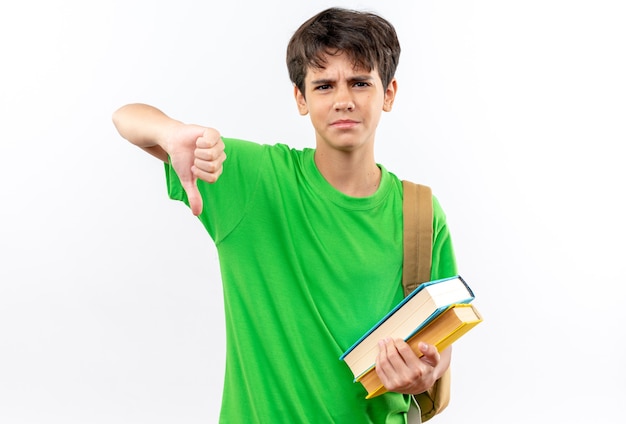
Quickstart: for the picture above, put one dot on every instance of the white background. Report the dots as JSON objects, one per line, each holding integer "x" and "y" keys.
{"x": 110, "y": 298}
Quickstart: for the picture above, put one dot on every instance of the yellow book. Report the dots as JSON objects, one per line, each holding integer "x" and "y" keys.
{"x": 441, "y": 333}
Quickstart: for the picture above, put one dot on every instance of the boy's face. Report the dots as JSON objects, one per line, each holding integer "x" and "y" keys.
{"x": 344, "y": 104}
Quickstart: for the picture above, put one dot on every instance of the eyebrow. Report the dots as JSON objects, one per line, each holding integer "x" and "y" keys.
{"x": 356, "y": 78}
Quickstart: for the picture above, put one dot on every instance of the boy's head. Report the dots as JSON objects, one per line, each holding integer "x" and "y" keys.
{"x": 369, "y": 41}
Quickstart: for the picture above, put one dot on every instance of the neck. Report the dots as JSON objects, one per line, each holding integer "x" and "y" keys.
{"x": 353, "y": 175}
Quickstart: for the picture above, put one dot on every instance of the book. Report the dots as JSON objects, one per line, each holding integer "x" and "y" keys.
{"x": 441, "y": 332}
{"x": 413, "y": 313}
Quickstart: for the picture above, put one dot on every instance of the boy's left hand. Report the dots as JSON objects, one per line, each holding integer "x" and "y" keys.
{"x": 401, "y": 370}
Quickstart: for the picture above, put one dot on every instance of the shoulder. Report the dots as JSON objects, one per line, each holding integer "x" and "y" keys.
{"x": 245, "y": 147}
{"x": 439, "y": 216}
{"x": 437, "y": 208}
{"x": 249, "y": 162}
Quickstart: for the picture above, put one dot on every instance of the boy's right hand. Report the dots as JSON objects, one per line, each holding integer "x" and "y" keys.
{"x": 195, "y": 152}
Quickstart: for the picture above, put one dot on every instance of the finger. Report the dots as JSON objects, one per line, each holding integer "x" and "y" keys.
{"x": 208, "y": 154}
{"x": 409, "y": 357}
{"x": 193, "y": 195}
{"x": 431, "y": 355}
{"x": 382, "y": 366}
{"x": 391, "y": 353}
{"x": 389, "y": 358}
{"x": 208, "y": 161}
{"x": 209, "y": 139}
{"x": 210, "y": 175}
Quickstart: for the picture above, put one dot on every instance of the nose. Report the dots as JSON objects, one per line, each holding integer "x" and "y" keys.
{"x": 343, "y": 100}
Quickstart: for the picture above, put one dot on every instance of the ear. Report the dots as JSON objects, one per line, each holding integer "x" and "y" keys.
{"x": 300, "y": 101}
{"x": 390, "y": 95}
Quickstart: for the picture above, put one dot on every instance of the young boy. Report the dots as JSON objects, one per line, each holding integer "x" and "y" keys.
{"x": 309, "y": 241}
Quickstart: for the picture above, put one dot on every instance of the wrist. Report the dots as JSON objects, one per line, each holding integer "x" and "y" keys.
{"x": 166, "y": 134}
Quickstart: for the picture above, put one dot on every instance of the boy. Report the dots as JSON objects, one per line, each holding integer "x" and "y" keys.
{"x": 309, "y": 241}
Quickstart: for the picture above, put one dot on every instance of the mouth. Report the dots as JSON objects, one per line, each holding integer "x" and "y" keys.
{"x": 344, "y": 124}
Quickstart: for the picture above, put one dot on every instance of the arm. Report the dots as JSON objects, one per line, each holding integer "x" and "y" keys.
{"x": 194, "y": 151}
{"x": 401, "y": 370}
{"x": 145, "y": 127}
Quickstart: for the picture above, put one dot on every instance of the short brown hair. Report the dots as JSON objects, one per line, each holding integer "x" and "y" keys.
{"x": 369, "y": 41}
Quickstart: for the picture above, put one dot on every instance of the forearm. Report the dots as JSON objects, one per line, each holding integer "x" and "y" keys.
{"x": 144, "y": 126}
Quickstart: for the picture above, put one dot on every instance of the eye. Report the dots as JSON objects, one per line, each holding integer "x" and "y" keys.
{"x": 323, "y": 87}
{"x": 361, "y": 84}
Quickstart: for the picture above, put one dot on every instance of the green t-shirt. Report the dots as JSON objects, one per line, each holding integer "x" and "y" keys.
{"x": 306, "y": 270}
